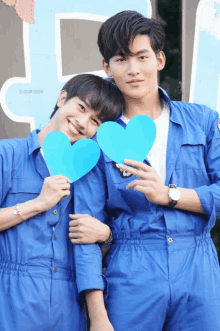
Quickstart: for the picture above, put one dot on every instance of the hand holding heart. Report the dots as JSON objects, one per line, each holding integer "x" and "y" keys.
{"x": 54, "y": 189}
{"x": 149, "y": 182}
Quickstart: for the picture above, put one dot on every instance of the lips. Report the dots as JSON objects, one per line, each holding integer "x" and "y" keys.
{"x": 134, "y": 81}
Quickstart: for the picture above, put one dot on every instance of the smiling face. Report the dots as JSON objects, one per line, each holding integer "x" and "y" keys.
{"x": 136, "y": 75}
{"x": 75, "y": 118}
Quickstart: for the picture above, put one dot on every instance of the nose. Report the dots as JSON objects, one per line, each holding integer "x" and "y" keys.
{"x": 133, "y": 66}
{"x": 83, "y": 122}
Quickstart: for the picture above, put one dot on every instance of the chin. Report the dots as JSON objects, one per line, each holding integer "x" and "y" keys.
{"x": 136, "y": 95}
{"x": 71, "y": 138}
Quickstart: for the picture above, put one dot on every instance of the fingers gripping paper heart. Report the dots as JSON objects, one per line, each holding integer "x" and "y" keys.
{"x": 75, "y": 161}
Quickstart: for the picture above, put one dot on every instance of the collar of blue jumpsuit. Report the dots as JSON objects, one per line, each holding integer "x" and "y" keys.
{"x": 164, "y": 96}
{"x": 33, "y": 142}
{"x": 175, "y": 115}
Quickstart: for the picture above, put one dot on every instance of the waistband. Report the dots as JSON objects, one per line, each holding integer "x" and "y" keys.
{"x": 37, "y": 270}
{"x": 168, "y": 242}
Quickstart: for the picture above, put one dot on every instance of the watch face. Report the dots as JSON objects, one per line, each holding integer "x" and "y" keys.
{"x": 174, "y": 194}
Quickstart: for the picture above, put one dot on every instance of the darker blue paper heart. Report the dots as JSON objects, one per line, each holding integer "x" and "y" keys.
{"x": 132, "y": 143}
{"x": 71, "y": 161}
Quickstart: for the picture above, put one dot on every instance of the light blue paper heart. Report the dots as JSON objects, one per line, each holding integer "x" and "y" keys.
{"x": 133, "y": 143}
{"x": 71, "y": 161}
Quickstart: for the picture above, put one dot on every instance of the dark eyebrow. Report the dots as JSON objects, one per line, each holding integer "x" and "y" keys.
{"x": 133, "y": 54}
{"x": 141, "y": 51}
{"x": 118, "y": 53}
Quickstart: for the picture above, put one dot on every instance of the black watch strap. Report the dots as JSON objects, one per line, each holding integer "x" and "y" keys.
{"x": 108, "y": 242}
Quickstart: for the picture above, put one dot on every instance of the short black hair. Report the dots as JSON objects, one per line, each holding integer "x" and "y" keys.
{"x": 101, "y": 95}
{"x": 117, "y": 32}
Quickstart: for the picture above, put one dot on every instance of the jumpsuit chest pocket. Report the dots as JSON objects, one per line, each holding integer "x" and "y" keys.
{"x": 117, "y": 176}
{"x": 191, "y": 155}
{"x": 23, "y": 190}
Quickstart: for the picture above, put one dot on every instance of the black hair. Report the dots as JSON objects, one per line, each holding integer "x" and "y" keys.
{"x": 98, "y": 93}
{"x": 116, "y": 34}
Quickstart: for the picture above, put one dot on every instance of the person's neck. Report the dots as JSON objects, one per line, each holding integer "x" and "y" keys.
{"x": 149, "y": 105}
{"x": 44, "y": 132}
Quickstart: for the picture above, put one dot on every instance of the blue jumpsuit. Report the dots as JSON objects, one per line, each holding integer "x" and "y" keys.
{"x": 37, "y": 278}
{"x": 162, "y": 270}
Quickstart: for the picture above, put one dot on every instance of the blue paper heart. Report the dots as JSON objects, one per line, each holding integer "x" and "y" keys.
{"x": 133, "y": 143}
{"x": 71, "y": 161}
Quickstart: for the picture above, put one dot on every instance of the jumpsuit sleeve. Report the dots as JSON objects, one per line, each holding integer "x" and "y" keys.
{"x": 6, "y": 167}
{"x": 210, "y": 195}
{"x": 90, "y": 198}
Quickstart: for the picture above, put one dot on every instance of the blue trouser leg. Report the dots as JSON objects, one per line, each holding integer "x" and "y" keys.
{"x": 195, "y": 289}
{"x": 39, "y": 304}
{"x": 66, "y": 314}
{"x": 138, "y": 289}
{"x": 172, "y": 288}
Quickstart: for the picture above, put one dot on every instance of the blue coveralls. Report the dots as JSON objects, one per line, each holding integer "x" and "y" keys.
{"x": 37, "y": 278}
{"x": 162, "y": 269}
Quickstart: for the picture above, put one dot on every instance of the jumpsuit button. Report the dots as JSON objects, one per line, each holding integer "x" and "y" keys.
{"x": 54, "y": 269}
{"x": 53, "y": 228}
{"x": 54, "y": 238}
{"x": 170, "y": 240}
{"x": 55, "y": 211}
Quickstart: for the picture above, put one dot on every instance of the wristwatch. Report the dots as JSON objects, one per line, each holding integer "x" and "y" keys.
{"x": 108, "y": 242}
{"x": 174, "y": 195}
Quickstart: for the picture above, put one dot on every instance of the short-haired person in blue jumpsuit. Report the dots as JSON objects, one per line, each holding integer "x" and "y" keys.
{"x": 162, "y": 270}
{"x": 37, "y": 270}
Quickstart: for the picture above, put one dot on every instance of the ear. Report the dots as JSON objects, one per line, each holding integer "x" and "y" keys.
{"x": 106, "y": 68}
{"x": 161, "y": 60}
{"x": 62, "y": 98}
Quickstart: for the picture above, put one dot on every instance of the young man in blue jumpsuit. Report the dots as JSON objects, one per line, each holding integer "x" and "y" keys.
{"x": 37, "y": 270}
{"x": 162, "y": 270}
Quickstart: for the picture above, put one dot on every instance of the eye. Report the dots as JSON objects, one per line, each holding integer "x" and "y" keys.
{"x": 143, "y": 57}
{"x": 95, "y": 121}
{"x": 81, "y": 106}
{"x": 120, "y": 60}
